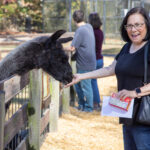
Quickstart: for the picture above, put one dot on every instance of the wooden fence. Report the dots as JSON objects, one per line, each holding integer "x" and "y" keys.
{"x": 37, "y": 113}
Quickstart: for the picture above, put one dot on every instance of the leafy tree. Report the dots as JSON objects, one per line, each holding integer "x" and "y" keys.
{"x": 34, "y": 10}
{"x": 15, "y": 15}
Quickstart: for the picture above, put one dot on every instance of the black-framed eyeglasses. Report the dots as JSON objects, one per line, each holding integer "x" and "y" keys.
{"x": 137, "y": 26}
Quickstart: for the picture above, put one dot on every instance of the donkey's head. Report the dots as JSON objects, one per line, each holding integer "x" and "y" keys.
{"x": 54, "y": 60}
{"x": 42, "y": 52}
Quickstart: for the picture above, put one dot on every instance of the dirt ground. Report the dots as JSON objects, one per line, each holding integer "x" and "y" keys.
{"x": 88, "y": 131}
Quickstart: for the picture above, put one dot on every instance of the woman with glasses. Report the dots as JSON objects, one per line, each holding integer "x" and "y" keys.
{"x": 128, "y": 66}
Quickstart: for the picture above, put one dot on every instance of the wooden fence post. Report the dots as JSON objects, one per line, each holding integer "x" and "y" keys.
{"x": 73, "y": 65}
{"x": 2, "y": 118}
{"x": 66, "y": 95}
{"x": 54, "y": 105}
{"x": 66, "y": 100}
{"x": 35, "y": 103}
{"x": 72, "y": 89}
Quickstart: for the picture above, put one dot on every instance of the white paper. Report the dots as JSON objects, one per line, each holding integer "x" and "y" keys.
{"x": 108, "y": 110}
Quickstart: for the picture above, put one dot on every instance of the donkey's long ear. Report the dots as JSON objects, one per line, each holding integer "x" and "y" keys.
{"x": 56, "y": 35}
{"x": 65, "y": 40}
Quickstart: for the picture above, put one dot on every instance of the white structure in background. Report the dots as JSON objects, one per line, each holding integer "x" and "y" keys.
{"x": 124, "y": 12}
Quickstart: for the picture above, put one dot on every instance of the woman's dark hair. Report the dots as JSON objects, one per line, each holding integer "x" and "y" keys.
{"x": 95, "y": 20}
{"x": 138, "y": 10}
{"x": 78, "y": 16}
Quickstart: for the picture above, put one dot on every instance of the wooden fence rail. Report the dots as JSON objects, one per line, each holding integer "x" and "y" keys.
{"x": 2, "y": 118}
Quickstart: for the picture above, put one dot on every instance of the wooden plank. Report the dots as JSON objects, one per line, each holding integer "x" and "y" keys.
{"x": 54, "y": 106}
{"x": 44, "y": 120}
{"x": 72, "y": 89}
{"x": 66, "y": 100}
{"x": 15, "y": 123}
{"x": 24, "y": 80}
{"x": 14, "y": 85}
{"x": 35, "y": 102}
{"x": 46, "y": 101}
{"x": 2, "y": 118}
{"x": 10, "y": 43}
{"x": 5, "y": 51}
{"x": 23, "y": 145}
{"x": 1, "y": 86}
{"x": 72, "y": 96}
{"x": 11, "y": 87}
{"x": 48, "y": 84}
{"x": 42, "y": 84}
{"x": 45, "y": 85}
{"x": 60, "y": 105}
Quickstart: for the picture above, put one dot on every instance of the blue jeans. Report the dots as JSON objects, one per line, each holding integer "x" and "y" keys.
{"x": 136, "y": 137}
{"x": 96, "y": 95}
{"x": 85, "y": 93}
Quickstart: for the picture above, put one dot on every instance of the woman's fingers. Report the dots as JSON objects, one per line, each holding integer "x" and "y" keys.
{"x": 76, "y": 79}
{"x": 126, "y": 93}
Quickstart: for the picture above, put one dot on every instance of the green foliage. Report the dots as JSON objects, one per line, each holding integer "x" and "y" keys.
{"x": 16, "y": 14}
{"x": 8, "y": 10}
{"x": 75, "y": 5}
{"x": 34, "y": 10}
{"x": 55, "y": 15}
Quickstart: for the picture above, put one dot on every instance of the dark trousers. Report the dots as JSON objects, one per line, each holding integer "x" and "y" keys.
{"x": 136, "y": 137}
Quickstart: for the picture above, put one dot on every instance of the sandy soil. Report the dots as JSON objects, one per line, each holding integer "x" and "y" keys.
{"x": 85, "y": 131}
{"x": 88, "y": 131}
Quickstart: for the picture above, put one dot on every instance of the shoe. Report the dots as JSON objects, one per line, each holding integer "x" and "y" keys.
{"x": 97, "y": 107}
{"x": 87, "y": 110}
{"x": 80, "y": 107}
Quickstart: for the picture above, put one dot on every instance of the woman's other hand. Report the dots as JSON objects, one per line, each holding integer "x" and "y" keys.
{"x": 126, "y": 93}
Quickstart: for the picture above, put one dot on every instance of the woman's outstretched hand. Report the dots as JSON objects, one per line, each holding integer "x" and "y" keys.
{"x": 76, "y": 79}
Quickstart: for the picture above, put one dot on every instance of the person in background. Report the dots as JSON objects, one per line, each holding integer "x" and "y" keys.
{"x": 96, "y": 23}
{"x": 84, "y": 45}
{"x": 128, "y": 66}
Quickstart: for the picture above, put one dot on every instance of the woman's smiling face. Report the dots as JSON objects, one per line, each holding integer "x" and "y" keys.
{"x": 136, "y": 28}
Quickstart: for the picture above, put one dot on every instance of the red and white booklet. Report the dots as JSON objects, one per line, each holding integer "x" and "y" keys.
{"x": 117, "y": 108}
{"x": 119, "y": 103}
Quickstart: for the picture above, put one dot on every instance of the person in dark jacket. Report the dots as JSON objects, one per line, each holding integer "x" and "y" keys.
{"x": 96, "y": 23}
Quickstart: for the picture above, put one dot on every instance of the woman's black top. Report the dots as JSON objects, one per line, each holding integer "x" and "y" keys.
{"x": 130, "y": 75}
